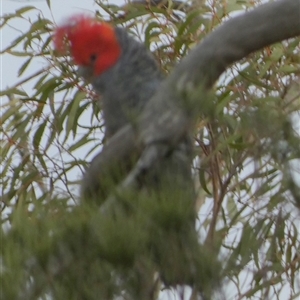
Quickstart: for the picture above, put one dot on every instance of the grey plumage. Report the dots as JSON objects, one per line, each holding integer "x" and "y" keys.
{"x": 127, "y": 86}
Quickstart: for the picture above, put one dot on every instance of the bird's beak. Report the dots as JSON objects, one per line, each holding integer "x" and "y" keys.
{"x": 85, "y": 72}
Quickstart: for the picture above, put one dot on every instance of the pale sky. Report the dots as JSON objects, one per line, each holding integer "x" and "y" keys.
{"x": 60, "y": 10}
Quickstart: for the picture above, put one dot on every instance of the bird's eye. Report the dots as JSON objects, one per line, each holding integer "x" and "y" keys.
{"x": 93, "y": 58}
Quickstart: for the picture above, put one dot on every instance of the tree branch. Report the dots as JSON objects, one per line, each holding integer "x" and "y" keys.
{"x": 232, "y": 41}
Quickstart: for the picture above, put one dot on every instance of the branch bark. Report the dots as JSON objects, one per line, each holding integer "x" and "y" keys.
{"x": 170, "y": 114}
{"x": 167, "y": 116}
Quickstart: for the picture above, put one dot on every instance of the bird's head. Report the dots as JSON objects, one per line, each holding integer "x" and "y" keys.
{"x": 92, "y": 44}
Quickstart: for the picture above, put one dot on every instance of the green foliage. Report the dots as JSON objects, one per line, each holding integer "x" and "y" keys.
{"x": 246, "y": 141}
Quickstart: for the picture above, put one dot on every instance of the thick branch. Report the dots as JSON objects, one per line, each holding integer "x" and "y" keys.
{"x": 169, "y": 115}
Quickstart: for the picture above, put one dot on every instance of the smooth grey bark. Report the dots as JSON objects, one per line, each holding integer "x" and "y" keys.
{"x": 170, "y": 114}
{"x": 167, "y": 116}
